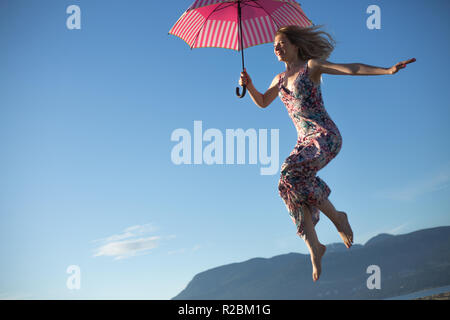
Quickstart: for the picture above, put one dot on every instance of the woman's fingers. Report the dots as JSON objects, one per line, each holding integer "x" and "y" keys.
{"x": 244, "y": 80}
{"x": 401, "y": 65}
{"x": 404, "y": 63}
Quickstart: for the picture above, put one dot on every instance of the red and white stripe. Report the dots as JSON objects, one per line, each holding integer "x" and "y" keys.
{"x": 221, "y": 28}
{"x": 188, "y": 26}
{"x": 204, "y": 3}
{"x": 291, "y": 14}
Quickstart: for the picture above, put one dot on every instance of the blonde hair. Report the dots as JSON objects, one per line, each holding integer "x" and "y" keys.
{"x": 311, "y": 42}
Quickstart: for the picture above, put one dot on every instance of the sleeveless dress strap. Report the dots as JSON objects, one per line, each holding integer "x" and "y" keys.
{"x": 281, "y": 79}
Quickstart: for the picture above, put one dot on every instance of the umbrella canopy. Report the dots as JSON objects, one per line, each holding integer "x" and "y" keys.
{"x": 236, "y": 24}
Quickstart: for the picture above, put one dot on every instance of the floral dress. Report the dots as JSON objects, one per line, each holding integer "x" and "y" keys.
{"x": 319, "y": 141}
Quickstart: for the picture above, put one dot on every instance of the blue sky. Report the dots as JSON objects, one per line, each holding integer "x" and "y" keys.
{"x": 86, "y": 118}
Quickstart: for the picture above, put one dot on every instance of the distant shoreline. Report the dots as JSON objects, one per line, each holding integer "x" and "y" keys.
{"x": 439, "y": 296}
{"x": 438, "y": 293}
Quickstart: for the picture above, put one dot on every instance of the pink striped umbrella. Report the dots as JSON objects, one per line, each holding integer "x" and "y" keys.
{"x": 236, "y": 24}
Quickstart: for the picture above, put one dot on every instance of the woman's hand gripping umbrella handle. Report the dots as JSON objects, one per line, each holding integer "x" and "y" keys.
{"x": 244, "y": 81}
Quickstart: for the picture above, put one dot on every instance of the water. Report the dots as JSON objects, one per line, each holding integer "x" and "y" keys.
{"x": 421, "y": 294}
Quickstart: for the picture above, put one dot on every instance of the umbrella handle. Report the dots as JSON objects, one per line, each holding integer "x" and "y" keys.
{"x": 243, "y": 91}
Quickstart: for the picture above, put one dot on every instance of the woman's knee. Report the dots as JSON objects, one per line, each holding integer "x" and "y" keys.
{"x": 305, "y": 210}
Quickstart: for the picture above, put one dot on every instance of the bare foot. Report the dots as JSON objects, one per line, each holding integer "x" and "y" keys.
{"x": 316, "y": 260}
{"x": 344, "y": 229}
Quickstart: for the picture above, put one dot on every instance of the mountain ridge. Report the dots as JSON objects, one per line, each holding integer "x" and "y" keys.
{"x": 407, "y": 262}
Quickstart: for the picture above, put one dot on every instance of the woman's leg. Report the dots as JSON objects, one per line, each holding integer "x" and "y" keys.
{"x": 316, "y": 249}
{"x": 340, "y": 220}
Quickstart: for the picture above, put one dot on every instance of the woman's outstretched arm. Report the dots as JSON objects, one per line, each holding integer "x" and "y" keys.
{"x": 320, "y": 66}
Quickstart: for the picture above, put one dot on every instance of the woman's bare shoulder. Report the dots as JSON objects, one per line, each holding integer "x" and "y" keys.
{"x": 276, "y": 79}
{"x": 315, "y": 64}
{"x": 315, "y": 69}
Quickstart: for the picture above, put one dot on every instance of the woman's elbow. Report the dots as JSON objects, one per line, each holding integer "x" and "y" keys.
{"x": 264, "y": 104}
{"x": 267, "y": 100}
{"x": 261, "y": 103}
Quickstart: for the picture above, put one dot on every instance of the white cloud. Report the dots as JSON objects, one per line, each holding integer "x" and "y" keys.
{"x": 438, "y": 182}
{"x": 183, "y": 250}
{"x": 131, "y": 232}
{"x": 127, "y": 248}
{"x": 397, "y": 229}
{"x": 131, "y": 242}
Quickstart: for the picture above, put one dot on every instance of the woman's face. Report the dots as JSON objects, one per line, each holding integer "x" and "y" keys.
{"x": 284, "y": 49}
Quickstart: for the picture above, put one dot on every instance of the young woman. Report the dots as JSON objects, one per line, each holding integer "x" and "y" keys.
{"x": 304, "y": 52}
